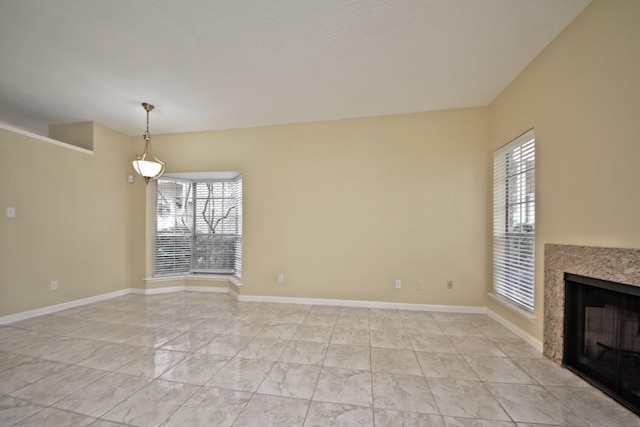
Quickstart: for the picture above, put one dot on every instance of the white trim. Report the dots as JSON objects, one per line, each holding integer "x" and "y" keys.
{"x": 218, "y": 290}
{"x": 17, "y": 130}
{"x": 530, "y": 339}
{"x": 203, "y": 277}
{"x": 208, "y": 277}
{"x": 214, "y": 176}
{"x": 24, "y": 315}
{"x": 59, "y": 307}
{"x": 514, "y": 308}
{"x": 363, "y": 304}
{"x": 536, "y": 343}
{"x": 235, "y": 281}
{"x": 167, "y": 290}
{"x": 526, "y": 136}
{"x": 163, "y": 279}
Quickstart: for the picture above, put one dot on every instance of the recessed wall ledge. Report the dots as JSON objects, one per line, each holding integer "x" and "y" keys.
{"x": 39, "y": 137}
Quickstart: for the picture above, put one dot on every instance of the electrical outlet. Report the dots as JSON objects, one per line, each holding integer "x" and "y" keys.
{"x": 280, "y": 278}
{"x": 419, "y": 286}
{"x": 449, "y": 284}
{"x": 54, "y": 285}
{"x": 398, "y": 283}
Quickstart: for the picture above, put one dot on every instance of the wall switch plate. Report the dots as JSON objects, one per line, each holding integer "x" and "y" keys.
{"x": 398, "y": 283}
{"x": 280, "y": 278}
{"x": 54, "y": 285}
{"x": 11, "y": 212}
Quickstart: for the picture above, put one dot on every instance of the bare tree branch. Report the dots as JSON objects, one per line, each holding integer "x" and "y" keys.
{"x": 224, "y": 217}
{"x": 185, "y": 205}
{"x": 204, "y": 210}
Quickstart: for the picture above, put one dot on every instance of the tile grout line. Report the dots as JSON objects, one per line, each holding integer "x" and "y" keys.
{"x": 315, "y": 388}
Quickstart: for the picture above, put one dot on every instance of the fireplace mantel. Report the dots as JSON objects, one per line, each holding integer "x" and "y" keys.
{"x": 612, "y": 264}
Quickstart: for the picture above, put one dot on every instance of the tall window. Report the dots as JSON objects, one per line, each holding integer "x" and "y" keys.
{"x": 514, "y": 220}
{"x": 198, "y": 226}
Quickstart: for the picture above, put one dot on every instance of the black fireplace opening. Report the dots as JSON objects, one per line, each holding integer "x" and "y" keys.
{"x": 602, "y": 336}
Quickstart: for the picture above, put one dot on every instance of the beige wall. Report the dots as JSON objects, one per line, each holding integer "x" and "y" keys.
{"x": 73, "y": 220}
{"x": 343, "y": 208}
{"x": 78, "y": 134}
{"x": 582, "y": 95}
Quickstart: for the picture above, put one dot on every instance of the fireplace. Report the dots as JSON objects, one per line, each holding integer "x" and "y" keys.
{"x": 619, "y": 265}
{"x": 602, "y": 336}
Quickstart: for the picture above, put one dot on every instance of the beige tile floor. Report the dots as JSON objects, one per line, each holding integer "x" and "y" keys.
{"x": 199, "y": 359}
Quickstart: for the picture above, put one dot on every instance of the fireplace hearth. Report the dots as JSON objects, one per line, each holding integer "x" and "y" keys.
{"x": 602, "y": 336}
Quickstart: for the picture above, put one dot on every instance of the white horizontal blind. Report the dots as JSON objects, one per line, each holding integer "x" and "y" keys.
{"x": 215, "y": 227}
{"x": 514, "y": 220}
{"x": 174, "y": 224}
{"x": 238, "y": 249}
{"x": 198, "y": 226}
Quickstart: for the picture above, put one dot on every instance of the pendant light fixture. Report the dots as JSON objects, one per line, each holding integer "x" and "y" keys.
{"x": 146, "y": 164}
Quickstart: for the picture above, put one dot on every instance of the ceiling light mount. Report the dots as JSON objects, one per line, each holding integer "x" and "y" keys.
{"x": 147, "y": 164}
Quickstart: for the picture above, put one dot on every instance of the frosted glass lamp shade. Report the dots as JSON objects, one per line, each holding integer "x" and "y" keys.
{"x": 148, "y": 169}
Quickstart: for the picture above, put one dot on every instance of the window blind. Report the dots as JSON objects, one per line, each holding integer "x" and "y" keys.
{"x": 514, "y": 220}
{"x": 215, "y": 227}
{"x": 174, "y": 225}
{"x": 198, "y": 226}
{"x": 237, "y": 267}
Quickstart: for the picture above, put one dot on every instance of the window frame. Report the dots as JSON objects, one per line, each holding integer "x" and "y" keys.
{"x": 190, "y": 207}
{"x": 514, "y": 222}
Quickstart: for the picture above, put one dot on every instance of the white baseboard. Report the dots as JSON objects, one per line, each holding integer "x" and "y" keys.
{"x": 59, "y": 307}
{"x": 195, "y": 278}
{"x": 218, "y": 290}
{"x": 24, "y": 315}
{"x": 169, "y": 289}
{"x": 363, "y": 304}
{"x": 537, "y": 344}
{"x": 516, "y": 330}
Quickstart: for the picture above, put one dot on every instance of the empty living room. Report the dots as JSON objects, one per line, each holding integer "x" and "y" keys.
{"x": 320, "y": 213}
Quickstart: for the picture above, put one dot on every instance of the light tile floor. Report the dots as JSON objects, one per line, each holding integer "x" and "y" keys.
{"x": 199, "y": 359}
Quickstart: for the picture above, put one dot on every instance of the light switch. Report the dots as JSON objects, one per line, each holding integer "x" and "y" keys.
{"x": 11, "y": 212}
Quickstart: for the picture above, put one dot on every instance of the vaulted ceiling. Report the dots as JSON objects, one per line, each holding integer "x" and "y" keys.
{"x": 242, "y": 63}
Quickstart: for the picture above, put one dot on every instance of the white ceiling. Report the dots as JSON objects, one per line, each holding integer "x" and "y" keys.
{"x": 241, "y": 63}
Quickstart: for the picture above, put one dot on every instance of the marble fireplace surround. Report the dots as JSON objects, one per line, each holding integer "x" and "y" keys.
{"x": 613, "y": 264}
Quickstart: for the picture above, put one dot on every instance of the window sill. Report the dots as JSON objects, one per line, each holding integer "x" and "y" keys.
{"x": 206, "y": 277}
{"x": 512, "y": 307}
